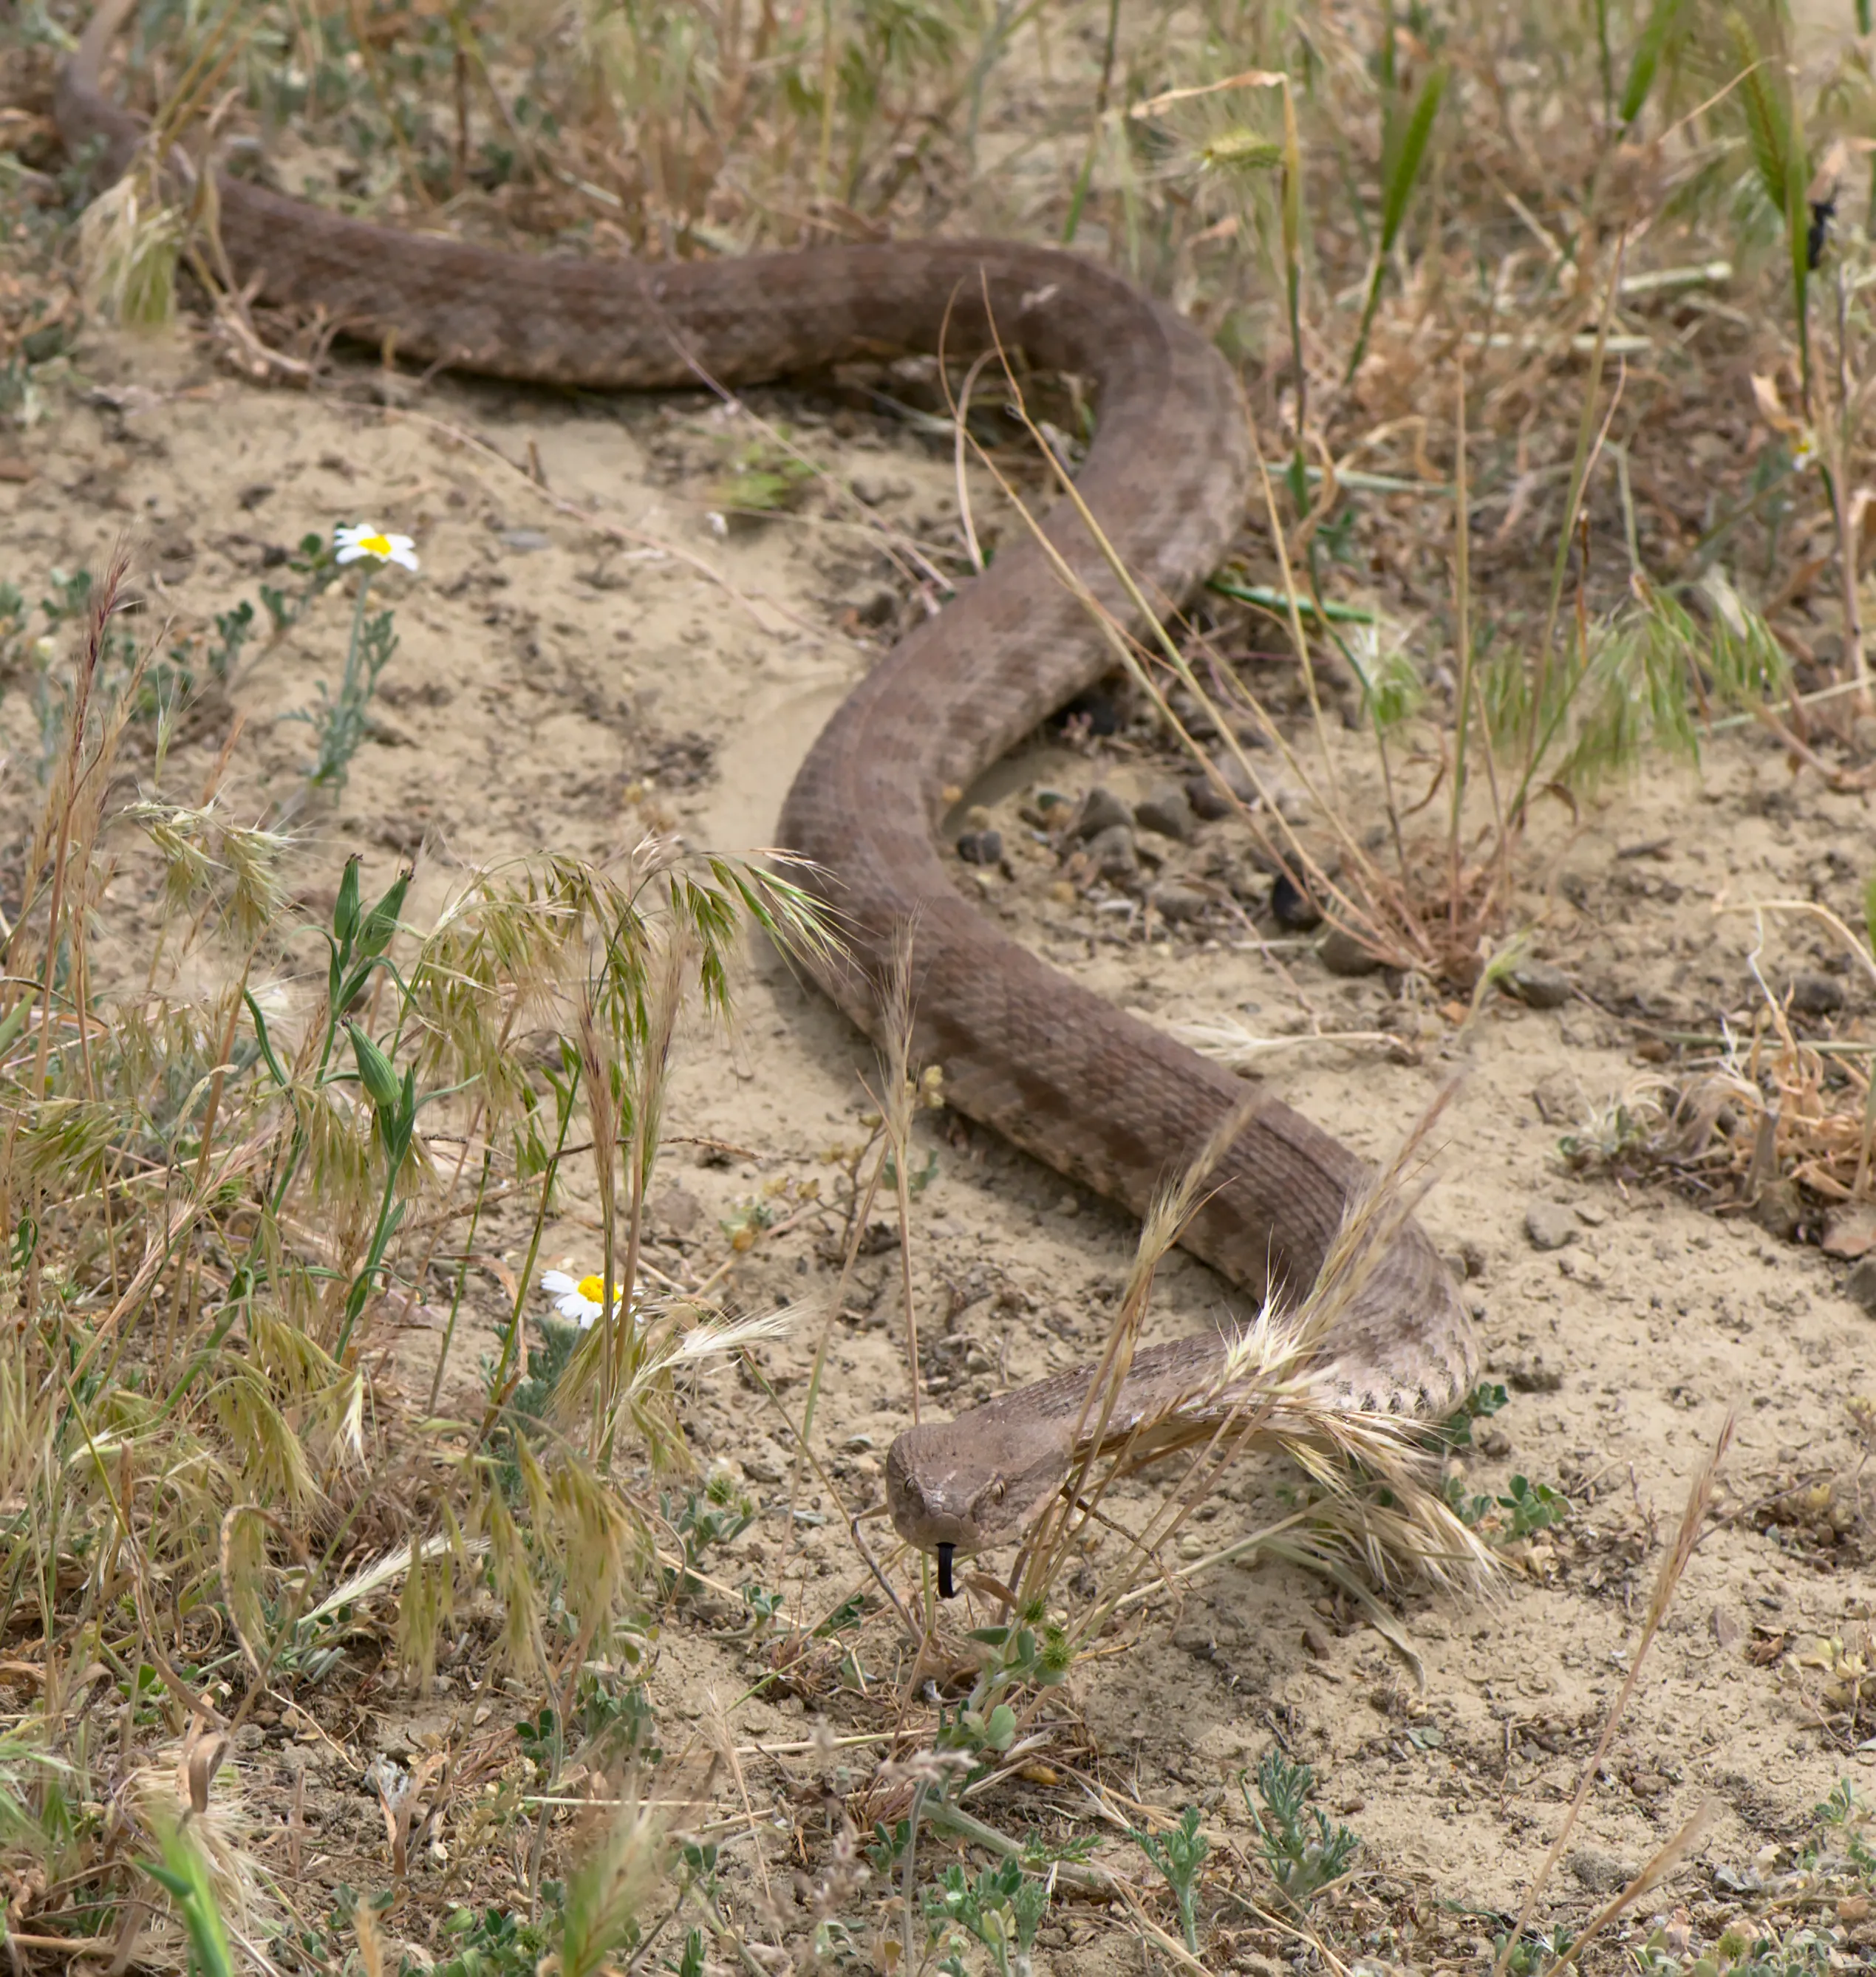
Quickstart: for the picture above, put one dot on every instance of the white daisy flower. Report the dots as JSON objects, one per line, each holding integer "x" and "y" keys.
{"x": 580, "y": 1300}
{"x": 352, "y": 540}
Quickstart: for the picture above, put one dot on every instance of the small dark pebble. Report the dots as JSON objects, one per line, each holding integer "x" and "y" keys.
{"x": 1860, "y": 1285}
{"x": 1167, "y": 812}
{"x": 981, "y": 847}
{"x": 1817, "y": 995}
{"x": 1341, "y": 953}
{"x": 1539, "y": 984}
{"x": 1780, "y": 1209}
{"x": 1293, "y": 911}
{"x": 1101, "y": 810}
{"x": 1208, "y": 803}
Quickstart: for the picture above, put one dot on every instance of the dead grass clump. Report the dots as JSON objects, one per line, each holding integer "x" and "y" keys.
{"x": 220, "y": 1176}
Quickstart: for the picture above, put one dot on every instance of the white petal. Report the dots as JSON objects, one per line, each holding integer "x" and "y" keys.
{"x": 350, "y": 554}
{"x": 401, "y": 553}
{"x": 556, "y": 1281}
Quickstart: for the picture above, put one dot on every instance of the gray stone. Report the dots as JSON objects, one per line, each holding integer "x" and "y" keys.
{"x": 1113, "y": 853}
{"x": 1341, "y": 953}
{"x": 1817, "y": 994}
{"x": 1167, "y": 812}
{"x": 1601, "y": 1873}
{"x": 872, "y": 487}
{"x": 1176, "y": 902}
{"x": 677, "y": 1212}
{"x": 1101, "y": 810}
{"x": 1860, "y": 1285}
{"x": 1780, "y": 1208}
{"x": 981, "y": 847}
{"x": 1549, "y": 1227}
{"x": 1207, "y": 800}
{"x": 1539, "y": 984}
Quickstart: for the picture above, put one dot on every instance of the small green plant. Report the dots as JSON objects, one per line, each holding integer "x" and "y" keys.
{"x": 766, "y": 476}
{"x": 496, "y": 1943}
{"x": 1179, "y": 1853}
{"x": 183, "y": 1874}
{"x": 718, "y": 1514}
{"x": 1406, "y": 128}
{"x": 1303, "y": 1852}
{"x": 611, "y": 1724}
{"x": 341, "y": 723}
{"x": 1526, "y": 1508}
{"x": 1845, "y": 1816}
{"x": 1034, "y": 1653}
{"x": 1002, "y": 1908}
{"x": 1455, "y": 1431}
{"x": 318, "y": 570}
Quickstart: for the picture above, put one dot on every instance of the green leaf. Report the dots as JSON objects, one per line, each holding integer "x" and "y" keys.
{"x": 375, "y": 1073}
{"x": 1405, "y": 169}
{"x": 1657, "y": 30}
{"x": 345, "y": 908}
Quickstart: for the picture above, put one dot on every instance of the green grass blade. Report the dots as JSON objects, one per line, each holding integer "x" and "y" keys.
{"x": 1657, "y": 30}
{"x": 1405, "y": 169}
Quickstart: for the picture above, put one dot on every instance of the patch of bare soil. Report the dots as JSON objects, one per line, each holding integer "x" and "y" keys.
{"x": 562, "y": 684}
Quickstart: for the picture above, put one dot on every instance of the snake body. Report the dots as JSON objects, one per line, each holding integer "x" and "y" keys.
{"x": 1105, "y": 1100}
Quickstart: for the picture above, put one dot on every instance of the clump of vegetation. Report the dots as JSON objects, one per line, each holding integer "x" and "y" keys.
{"x": 1494, "y": 279}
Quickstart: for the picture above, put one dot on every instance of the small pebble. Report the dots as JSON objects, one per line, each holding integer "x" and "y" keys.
{"x": 1780, "y": 1209}
{"x": 1293, "y": 911}
{"x": 1113, "y": 853}
{"x": 981, "y": 847}
{"x": 1539, "y": 984}
{"x": 1178, "y": 904}
{"x": 1849, "y": 1230}
{"x": 1860, "y": 1285}
{"x": 872, "y": 488}
{"x": 1341, "y": 953}
{"x": 1548, "y": 1225}
{"x": 1207, "y": 800}
{"x": 1167, "y": 812}
{"x": 1817, "y": 995}
{"x": 1101, "y": 810}
{"x": 676, "y": 1211}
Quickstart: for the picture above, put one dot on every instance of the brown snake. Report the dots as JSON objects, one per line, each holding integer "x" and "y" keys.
{"x": 1107, "y": 1100}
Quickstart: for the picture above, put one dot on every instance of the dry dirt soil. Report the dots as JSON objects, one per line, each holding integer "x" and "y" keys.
{"x": 569, "y": 679}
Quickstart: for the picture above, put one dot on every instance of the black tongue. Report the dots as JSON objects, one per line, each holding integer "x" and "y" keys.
{"x": 947, "y": 1589}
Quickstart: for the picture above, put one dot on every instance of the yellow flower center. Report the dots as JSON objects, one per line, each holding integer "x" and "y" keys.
{"x": 591, "y": 1289}
{"x": 380, "y": 546}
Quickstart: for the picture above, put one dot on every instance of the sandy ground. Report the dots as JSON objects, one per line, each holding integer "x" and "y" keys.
{"x": 557, "y": 686}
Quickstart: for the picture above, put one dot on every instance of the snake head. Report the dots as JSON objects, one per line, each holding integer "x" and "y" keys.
{"x": 973, "y": 1484}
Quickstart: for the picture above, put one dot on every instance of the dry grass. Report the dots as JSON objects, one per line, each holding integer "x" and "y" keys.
{"x": 1493, "y": 275}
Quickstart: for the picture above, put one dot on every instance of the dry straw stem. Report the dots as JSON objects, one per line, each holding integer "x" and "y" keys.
{"x": 1699, "y": 1498}
{"x": 1659, "y": 1867}
{"x": 1276, "y": 1389}
{"x": 1292, "y": 855}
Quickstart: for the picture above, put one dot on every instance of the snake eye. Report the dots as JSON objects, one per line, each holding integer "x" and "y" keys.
{"x": 997, "y": 1490}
